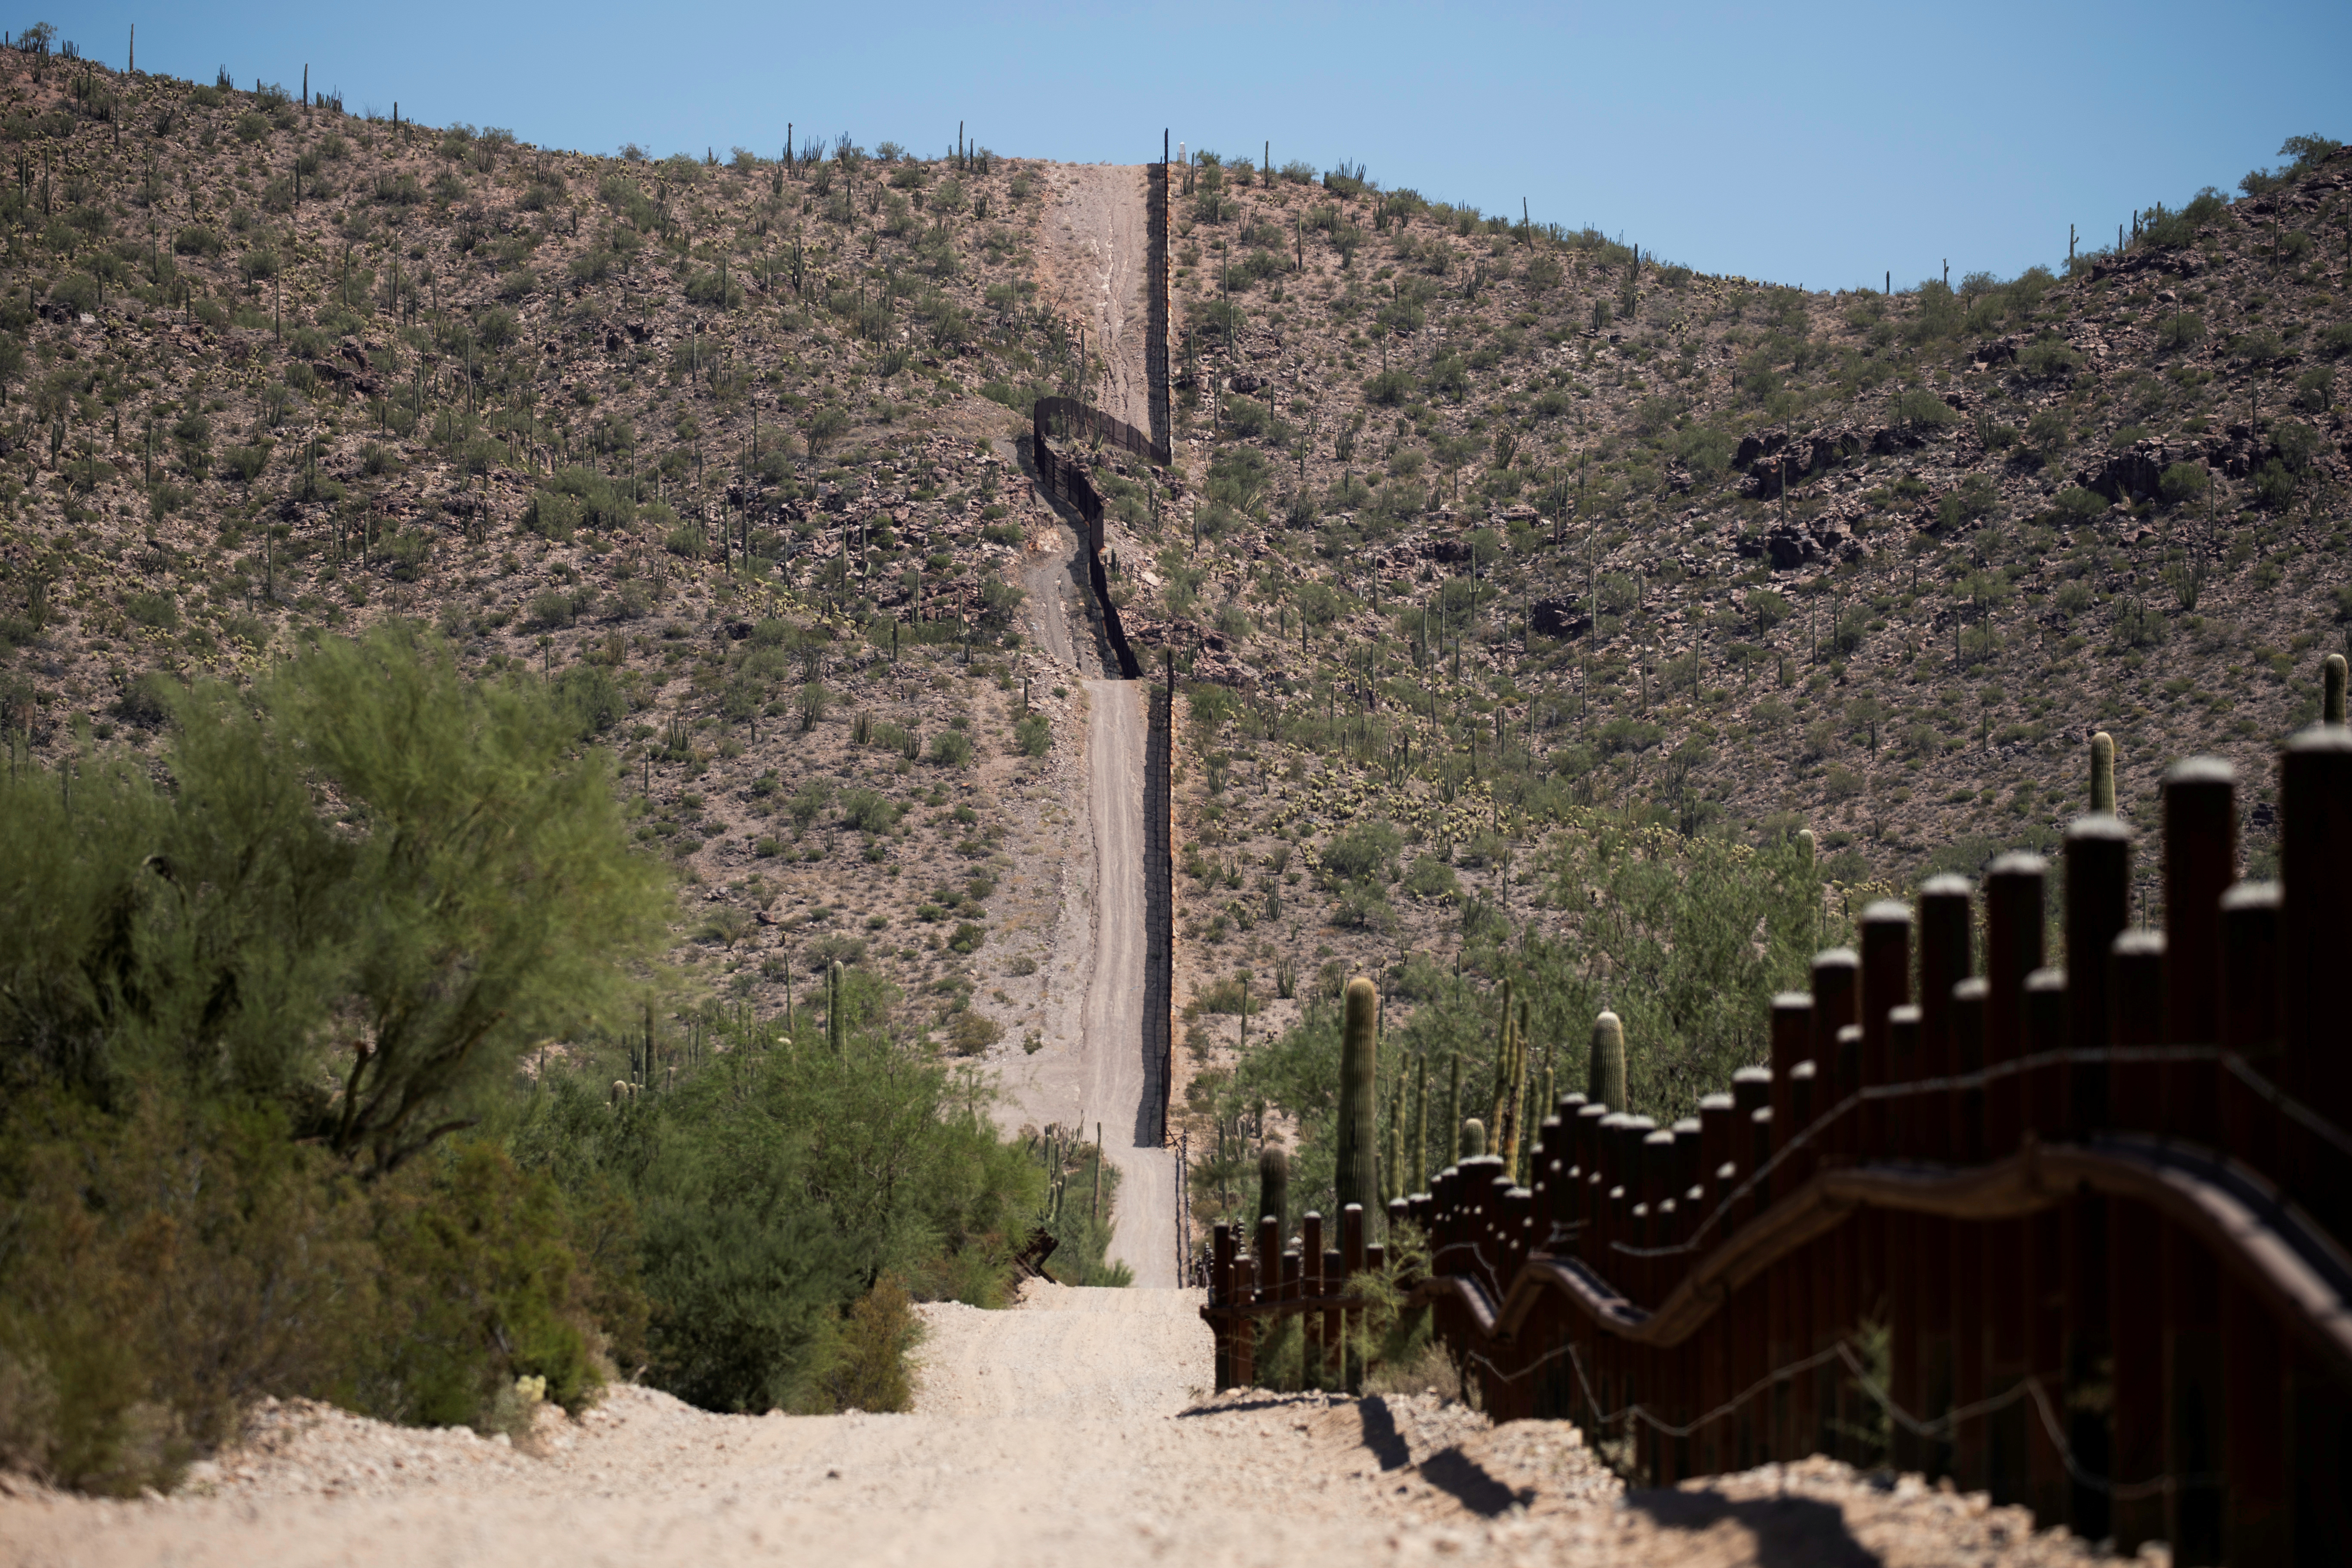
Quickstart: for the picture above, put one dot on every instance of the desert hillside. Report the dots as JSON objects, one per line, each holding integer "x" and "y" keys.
{"x": 1480, "y": 531}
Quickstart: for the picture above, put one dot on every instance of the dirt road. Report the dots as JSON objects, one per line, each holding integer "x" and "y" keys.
{"x": 1145, "y": 1235}
{"x": 1089, "y": 1068}
{"x": 1093, "y": 260}
{"x": 1073, "y": 1430}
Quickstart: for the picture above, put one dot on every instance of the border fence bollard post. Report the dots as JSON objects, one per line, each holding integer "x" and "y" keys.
{"x": 1311, "y": 1342}
{"x": 1355, "y": 1178}
{"x": 1220, "y": 1294}
{"x": 2258, "y": 1487}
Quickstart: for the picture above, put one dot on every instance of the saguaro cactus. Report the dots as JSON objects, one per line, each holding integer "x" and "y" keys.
{"x": 1453, "y": 1100}
{"x": 1520, "y": 1141}
{"x": 1357, "y": 1177}
{"x": 1605, "y": 1083}
{"x": 836, "y": 1020}
{"x": 2331, "y": 705}
{"x": 2103, "y": 772}
{"x": 1274, "y": 1188}
{"x": 1498, "y": 1116}
{"x": 1392, "y": 1147}
{"x": 1417, "y": 1181}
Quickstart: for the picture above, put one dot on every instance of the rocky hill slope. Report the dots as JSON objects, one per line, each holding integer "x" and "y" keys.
{"x": 1507, "y": 528}
{"x": 1478, "y": 528}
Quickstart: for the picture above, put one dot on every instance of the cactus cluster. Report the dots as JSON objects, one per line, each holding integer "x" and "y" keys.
{"x": 1511, "y": 1082}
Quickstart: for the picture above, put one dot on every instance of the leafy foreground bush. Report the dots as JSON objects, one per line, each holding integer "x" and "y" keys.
{"x": 167, "y": 1265}
{"x": 774, "y": 1190}
{"x": 261, "y": 1130}
{"x": 372, "y": 885}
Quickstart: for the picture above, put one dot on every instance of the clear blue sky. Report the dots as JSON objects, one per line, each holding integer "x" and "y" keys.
{"x": 1819, "y": 146}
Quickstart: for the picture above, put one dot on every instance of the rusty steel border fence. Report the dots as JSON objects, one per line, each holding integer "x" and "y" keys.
{"x": 1155, "y": 344}
{"x": 2075, "y": 1236}
{"x": 1159, "y": 901}
{"x": 1068, "y": 481}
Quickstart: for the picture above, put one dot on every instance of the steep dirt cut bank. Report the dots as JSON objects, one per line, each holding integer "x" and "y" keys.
{"x": 1093, "y": 264}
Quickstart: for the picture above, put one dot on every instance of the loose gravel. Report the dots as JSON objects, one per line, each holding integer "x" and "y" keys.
{"x": 1076, "y": 1429}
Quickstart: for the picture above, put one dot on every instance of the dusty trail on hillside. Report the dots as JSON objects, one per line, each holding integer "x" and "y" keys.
{"x": 1089, "y": 1068}
{"x": 1073, "y": 1430}
{"x": 1145, "y": 1235}
{"x": 1094, "y": 261}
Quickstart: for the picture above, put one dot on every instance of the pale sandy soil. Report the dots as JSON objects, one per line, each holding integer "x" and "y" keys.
{"x": 1073, "y": 1430}
{"x": 1089, "y": 1070}
{"x": 1091, "y": 261}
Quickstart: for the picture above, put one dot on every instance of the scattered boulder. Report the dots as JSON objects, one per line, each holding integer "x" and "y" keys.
{"x": 1791, "y": 544}
{"x": 1560, "y": 619}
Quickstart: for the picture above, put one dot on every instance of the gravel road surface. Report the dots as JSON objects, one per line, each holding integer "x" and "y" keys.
{"x": 1073, "y": 1430}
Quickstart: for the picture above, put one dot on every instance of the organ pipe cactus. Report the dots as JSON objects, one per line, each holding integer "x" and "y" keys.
{"x": 1474, "y": 1138}
{"x": 2103, "y": 772}
{"x": 1357, "y": 1177}
{"x": 836, "y": 1019}
{"x": 2331, "y": 705}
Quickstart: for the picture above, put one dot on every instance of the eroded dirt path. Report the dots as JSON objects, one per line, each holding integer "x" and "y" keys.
{"x": 1093, "y": 263}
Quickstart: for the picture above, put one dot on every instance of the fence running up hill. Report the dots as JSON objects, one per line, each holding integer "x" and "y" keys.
{"x": 1068, "y": 481}
{"x": 1068, "y": 419}
{"x": 2076, "y": 1236}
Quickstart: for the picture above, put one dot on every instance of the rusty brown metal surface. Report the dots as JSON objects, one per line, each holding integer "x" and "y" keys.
{"x": 2099, "y": 1213}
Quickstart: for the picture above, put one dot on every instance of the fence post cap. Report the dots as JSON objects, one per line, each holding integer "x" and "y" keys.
{"x": 2321, "y": 738}
{"x": 2251, "y": 895}
{"x": 2095, "y": 825}
{"x": 2201, "y": 770}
